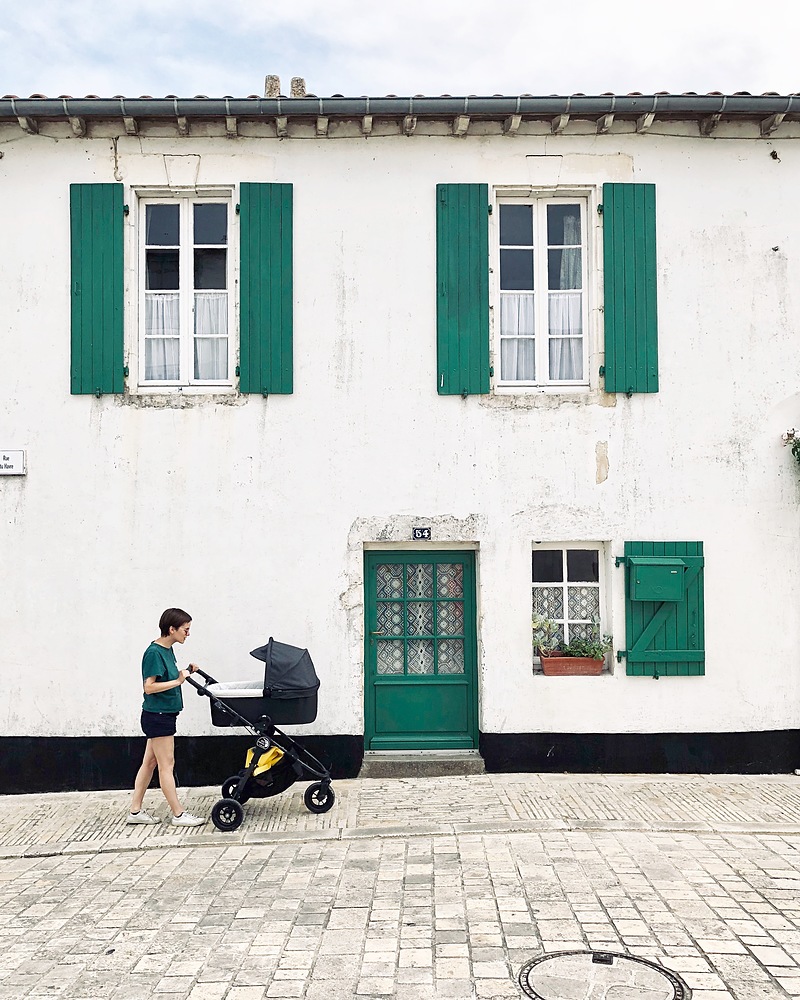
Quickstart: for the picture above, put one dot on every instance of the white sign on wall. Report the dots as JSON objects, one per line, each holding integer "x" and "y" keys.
{"x": 12, "y": 463}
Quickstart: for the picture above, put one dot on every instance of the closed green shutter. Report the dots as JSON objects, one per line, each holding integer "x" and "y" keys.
{"x": 462, "y": 300}
{"x": 629, "y": 263}
{"x": 265, "y": 328}
{"x": 666, "y": 639}
{"x": 97, "y": 282}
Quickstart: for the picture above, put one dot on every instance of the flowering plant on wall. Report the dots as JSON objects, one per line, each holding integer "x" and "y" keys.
{"x": 792, "y": 437}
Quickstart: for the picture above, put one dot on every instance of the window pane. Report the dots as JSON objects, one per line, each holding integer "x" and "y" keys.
{"x": 209, "y": 268}
{"x": 566, "y": 359}
{"x": 210, "y": 224}
{"x": 162, "y": 269}
{"x": 517, "y": 359}
{"x": 162, "y": 359}
{"x": 451, "y": 656}
{"x": 516, "y": 269}
{"x": 548, "y": 602}
{"x": 563, "y": 269}
{"x": 563, "y": 225}
{"x": 583, "y": 565}
{"x": 420, "y": 656}
{"x": 517, "y": 315}
{"x": 548, "y": 566}
{"x": 390, "y": 656}
{"x": 162, "y": 225}
{"x": 565, "y": 314}
{"x": 162, "y": 315}
{"x": 583, "y": 603}
{"x": 211, "y": 358}
{"x": 516, "y": 225}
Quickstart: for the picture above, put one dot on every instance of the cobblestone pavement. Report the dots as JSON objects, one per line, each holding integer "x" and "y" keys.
{"x": 431, "y": 889}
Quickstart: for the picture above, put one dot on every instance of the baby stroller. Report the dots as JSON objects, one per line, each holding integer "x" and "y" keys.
{"x": 288, "y": 696}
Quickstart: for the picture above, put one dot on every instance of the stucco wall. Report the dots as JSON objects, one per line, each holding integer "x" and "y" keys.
{"x": 253, "y": 513}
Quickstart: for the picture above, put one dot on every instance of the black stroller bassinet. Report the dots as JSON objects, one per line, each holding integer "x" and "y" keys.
{"x": 287, "y": 696}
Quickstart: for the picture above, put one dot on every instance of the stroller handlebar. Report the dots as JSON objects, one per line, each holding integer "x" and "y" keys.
{"x": 201, "y": 688}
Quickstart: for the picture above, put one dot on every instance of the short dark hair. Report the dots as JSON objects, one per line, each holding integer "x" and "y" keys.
{"x": 173, "y": 618}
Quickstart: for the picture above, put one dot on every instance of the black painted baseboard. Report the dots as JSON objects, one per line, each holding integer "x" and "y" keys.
{"x": 773, "y": 752}
{"x": 93, "y": 763}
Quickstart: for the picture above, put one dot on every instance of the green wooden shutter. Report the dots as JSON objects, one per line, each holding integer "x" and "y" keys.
{"x": 629, "y": 262}
{"x": 265, "y": 328}
{"x": 97, "y": 281}
{"x": 462, "y": 274}
{"x": 666, "y": 639}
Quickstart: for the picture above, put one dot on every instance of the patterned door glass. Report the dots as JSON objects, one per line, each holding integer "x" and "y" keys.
{"x": 583, "y": 603}
{"x": 390, "y": 581}
{"x": 390, "y": 617}
{"x": 450, "y": 580}
{"x": 420, "y": 656}
{"x": 420, "y": 580}
{"x": 390, "y": 656}
{"x": 450, "y": 617}
{"x": 420, "y": 618}
{"x": 450, "y": 656}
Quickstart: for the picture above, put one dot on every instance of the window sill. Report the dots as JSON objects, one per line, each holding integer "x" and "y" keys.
{"x": 550, "y": 397}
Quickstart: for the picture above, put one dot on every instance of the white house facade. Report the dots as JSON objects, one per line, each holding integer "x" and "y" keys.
{"x": 384, "y": 379}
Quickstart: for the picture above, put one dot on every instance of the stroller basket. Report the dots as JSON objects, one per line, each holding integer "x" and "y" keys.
{"x": 288, "y": 693}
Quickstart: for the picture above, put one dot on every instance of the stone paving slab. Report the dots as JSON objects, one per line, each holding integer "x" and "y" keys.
{"x": 85, "y": 822}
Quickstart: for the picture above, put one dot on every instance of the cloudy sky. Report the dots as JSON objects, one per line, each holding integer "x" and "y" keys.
{"x": 350, "y": 47}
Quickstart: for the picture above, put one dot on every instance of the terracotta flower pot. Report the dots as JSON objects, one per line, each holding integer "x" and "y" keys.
{"x": 561, "y": 666}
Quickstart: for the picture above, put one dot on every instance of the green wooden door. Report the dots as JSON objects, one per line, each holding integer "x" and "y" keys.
{"x": 421, "y": 659}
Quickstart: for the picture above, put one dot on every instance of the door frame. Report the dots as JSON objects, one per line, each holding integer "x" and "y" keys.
{"x": 405, "y": 555}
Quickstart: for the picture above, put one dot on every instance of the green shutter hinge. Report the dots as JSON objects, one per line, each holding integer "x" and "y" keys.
{"x": 621, "y": 654}
{"x": 602, "y": 370}
{"x": 620, "y": 560}
{"x": 238, "y": 371}
{"x": 599, "y": 209}
{"x": 125, "y": 371}
{"x": 491, "y": 371}
{"x": 464, "y": 393}
{"x": 238, "y": 209}
{"x": 265, "y": 392}
{"x": 98, "y": 392}
{"x": 126, "y": 210}
{"x": 490, "y": 209}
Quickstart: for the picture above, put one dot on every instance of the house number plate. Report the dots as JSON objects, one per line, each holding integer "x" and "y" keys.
{"x": 421, "y": 534}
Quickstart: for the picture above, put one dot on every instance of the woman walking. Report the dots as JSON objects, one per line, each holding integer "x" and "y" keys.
{"x": 163, "y": 700}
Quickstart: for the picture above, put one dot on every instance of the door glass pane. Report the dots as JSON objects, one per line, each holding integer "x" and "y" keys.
{"x": 450, "y": 618}
{"x": 548, "y": 566}
{"x": 390, "y": 617}
{"x": 390, "y": 656}
{"x": 583, "y": 565}
{"x": 420, "y": 618}
{"x": 420, "y": 580}
{"x": 451, "y": 656}
{"x": 450, "y": 580}
{"x": 162, "y": 225}
{"x": 420, "y": 656}
{"x": 210, "y": 224}
{"x": 390, "y": 580}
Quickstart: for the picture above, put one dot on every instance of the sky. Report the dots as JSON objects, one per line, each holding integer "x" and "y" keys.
{"x": 432, "y": 47}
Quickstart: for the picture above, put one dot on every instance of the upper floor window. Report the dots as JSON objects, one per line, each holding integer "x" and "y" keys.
{"x": 185, "y": 306}
{"x": 543, "y": 307}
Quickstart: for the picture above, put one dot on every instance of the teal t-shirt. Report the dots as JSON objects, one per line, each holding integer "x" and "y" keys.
{"x": 160, "y": 663}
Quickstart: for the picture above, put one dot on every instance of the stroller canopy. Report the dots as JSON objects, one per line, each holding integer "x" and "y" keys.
{"x": 289, "y": 672}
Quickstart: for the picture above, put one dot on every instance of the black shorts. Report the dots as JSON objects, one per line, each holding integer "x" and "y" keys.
{"x": 155, "y": 724}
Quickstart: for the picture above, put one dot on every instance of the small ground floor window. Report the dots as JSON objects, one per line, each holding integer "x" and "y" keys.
{"x": 566, "y": 581}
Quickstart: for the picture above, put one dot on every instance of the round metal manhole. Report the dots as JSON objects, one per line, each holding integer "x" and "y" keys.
{"x": 599, "y": 975}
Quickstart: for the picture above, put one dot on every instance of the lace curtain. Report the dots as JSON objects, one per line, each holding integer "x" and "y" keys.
{"x": 162, "y": 337}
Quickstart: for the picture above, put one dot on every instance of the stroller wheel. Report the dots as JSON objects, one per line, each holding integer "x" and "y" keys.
{"x": 229, "y": 787}
{"x": 227, "y": 815}
{"x": 319, "y": 797}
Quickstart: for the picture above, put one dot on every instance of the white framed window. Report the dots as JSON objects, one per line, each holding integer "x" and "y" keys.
{"x": 567, "y": 585}
{"x": 541, "y": 263}
{"x": 184, "y": 278}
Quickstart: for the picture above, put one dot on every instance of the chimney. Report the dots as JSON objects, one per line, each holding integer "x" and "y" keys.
{"x": 298, "y": 86}
{"x": 272, "y": 86}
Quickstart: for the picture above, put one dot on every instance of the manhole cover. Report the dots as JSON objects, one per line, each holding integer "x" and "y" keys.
{"x": 599, "y": 975}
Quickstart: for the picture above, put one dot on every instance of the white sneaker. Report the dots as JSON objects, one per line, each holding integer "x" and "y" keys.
{"x": 141, "y": 817}
{"x": 186, "y": 819}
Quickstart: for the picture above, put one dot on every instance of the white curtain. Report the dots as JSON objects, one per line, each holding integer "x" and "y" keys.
{"x": 566, "y": 336}
{"x": 517, "y": 345}
{"x": 162, "y": 338}
{"x": 211, "y": 335}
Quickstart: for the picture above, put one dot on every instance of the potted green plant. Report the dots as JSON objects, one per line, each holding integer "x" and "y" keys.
{"x": 583, "y": 656}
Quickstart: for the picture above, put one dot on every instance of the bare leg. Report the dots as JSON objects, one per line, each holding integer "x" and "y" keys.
{"x": 164, "y": 750}
{"x": 143, "y": 777}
